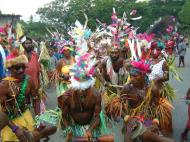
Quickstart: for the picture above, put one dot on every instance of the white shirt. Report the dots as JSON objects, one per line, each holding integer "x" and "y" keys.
{"x": 157, "y": 71}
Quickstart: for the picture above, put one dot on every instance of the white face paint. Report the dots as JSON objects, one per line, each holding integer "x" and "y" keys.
{"x": 155, "y": 51}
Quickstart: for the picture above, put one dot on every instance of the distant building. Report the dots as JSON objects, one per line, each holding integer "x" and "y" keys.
{"x": 8, "y": 18}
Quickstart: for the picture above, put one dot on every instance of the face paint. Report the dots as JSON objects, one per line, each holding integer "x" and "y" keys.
{"x": 155, "y": 51}
{"x": 134, "y": 72}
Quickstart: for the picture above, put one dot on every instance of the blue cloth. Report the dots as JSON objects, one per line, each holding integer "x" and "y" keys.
{"x": 58, "y": 56}
{"x": 52, "y": 63}
{"x": 181, "y": 49}
{"x": 2, "y": 70}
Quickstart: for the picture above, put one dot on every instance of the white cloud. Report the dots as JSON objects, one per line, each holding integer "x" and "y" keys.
{"x": 25, "y": 8}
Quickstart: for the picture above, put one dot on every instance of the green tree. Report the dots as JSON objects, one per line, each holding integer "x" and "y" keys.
{"x": 35, "y": 29}
{"x": 160, "y": 8}
{"x": 55, "y": 13}
{"x": 62, "y": 13}
{"x": 184, "y": 14}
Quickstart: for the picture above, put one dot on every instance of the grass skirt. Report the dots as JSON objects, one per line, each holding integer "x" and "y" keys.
{"x": 80, "y": 130}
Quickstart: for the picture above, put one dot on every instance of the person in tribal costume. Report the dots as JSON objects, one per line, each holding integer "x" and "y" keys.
{"x": 136, "y": 131}
{"x": 18, "y": 92}
{"x": 132, "y": 95}
{"x": 63, "y": 68}
{"x": 170, "y": 47}
{"x": 52, "y": 62}
{"x": 112, "y": 71}
{"x": 81, "y": 110}
{"x": 159, "y": 95}
{"x": 98, "y": 48}
{"x": 33, "y": 68}
{"x": 133, "y": 101}
{"x": 81, "y": 107}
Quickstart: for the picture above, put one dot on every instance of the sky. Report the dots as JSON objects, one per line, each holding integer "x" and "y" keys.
{"x": 25, "y": 8}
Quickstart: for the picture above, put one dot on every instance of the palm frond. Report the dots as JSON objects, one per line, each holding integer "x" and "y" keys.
{"x": 173, "y": 69}
{"x": 168, "y": 92}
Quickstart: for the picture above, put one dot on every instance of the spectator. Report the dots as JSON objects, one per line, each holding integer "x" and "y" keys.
{"x": 181, "y": 51}
{"x": 52, "y": 62}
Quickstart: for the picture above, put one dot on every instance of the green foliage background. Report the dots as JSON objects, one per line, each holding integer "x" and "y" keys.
{"x": 184, "y": 17}
{"x": 60, "y": 14}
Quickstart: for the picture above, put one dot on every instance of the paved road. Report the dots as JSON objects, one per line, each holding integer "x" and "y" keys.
{"x": 179, "y": 113}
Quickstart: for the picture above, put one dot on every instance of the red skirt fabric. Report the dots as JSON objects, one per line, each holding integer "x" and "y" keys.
{"x": 188, "y": 122}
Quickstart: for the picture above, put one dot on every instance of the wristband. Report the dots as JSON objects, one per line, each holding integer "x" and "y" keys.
{"x": 15, "y": 128}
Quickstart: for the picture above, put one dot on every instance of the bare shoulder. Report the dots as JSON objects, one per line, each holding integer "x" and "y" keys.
{"x": 64, "y": 98}
{"x": 4, "y": 83}
{"x": 96, "y": 94}
{"x": 4, "y": 87}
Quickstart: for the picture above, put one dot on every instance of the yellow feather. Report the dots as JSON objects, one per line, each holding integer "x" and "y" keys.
{"x": 19, "y": 31}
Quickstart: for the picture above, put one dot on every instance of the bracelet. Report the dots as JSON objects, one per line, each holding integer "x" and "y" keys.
{"x": 15, "y": 128}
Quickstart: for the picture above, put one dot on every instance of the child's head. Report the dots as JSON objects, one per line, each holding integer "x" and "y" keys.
{"x": 51, "y": 51}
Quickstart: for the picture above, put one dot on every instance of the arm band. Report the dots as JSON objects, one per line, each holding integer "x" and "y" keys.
{"x": 15, "y": 128}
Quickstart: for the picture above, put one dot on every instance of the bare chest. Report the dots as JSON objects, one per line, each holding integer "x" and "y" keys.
{"x": 80, "y": 104}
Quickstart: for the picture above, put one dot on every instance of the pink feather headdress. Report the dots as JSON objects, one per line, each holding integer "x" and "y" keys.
{"x": 141, "y": 65}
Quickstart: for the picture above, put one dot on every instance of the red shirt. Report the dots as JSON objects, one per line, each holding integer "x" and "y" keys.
{"x": 33, "y": 69}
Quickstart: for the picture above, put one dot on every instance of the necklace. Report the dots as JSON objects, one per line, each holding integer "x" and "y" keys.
{"x": 19, "y": 100}
{"x": 21, "y": 96}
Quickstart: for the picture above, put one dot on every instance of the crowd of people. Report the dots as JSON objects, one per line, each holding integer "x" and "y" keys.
{"x": 111, "y": 75}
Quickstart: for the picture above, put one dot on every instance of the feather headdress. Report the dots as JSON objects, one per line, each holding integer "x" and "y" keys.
{"x": 14, "y": 58}
{"x": 83, "y": 70}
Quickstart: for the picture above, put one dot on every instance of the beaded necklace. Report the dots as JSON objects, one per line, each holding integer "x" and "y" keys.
{"x": 19, "y": 100}
{"x": 21, "y": 97}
